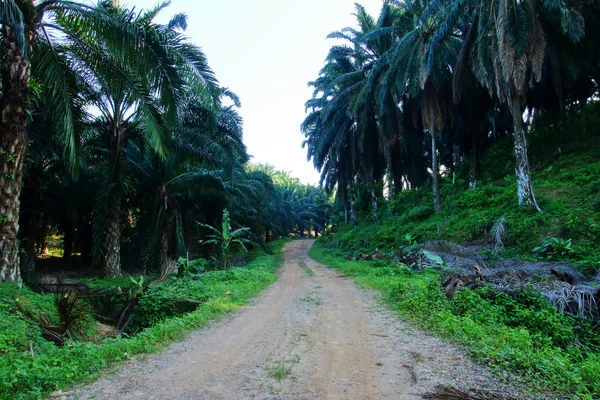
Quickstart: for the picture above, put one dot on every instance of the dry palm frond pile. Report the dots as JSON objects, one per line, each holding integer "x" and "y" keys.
{"x": 560, "y": 283}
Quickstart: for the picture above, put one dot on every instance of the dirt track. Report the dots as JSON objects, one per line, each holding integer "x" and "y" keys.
{"x": 307, "y": 337}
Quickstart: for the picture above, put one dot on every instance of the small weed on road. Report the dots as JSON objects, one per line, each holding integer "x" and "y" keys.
{"x": 308, "y": 271}
{"x": 281, "y": 369}
{"x": 310, "y": 299}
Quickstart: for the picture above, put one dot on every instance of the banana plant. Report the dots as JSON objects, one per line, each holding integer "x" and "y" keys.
{"x": 226, "y": 238}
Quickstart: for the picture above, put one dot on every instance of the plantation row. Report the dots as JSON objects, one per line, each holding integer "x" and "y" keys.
{"x": 118, "y": 140}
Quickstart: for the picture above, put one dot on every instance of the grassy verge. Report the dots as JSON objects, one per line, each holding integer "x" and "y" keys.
{"x": 525, "y": 334}
{"x": 31, "y": 367}
{"x": 566, "y": 180}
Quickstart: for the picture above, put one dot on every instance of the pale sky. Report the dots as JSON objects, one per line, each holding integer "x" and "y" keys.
{"x": 266, "y": 51}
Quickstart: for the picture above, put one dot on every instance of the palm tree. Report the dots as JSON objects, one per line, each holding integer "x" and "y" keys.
{"x": 137, "y": 97}
{"x": 419, "y": 69}
{"x": 331, "y": 133}
{"x": 201, "y": 144}
{"x": 227, "y": 238}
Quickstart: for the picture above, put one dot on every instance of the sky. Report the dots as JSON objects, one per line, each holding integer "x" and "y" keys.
{"x": 266, "y": 51}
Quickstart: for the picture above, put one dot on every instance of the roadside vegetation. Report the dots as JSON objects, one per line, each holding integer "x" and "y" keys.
{"x": 522, "y": 334}
{"x": 32, "y": 366}
{"x": 567, "y": 180}
{"x": 517, "y": 287}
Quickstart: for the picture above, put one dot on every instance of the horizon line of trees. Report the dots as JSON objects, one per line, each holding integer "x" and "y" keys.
{"x": 116, "y": 134}
{"x": 430, "y": 84}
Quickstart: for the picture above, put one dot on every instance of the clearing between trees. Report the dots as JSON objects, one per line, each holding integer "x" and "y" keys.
{"x": 312, "y": 335}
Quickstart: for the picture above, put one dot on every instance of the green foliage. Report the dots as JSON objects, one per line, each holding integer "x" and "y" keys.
{"x": 189, "y": 267}
{"x": 523, "y": 334}
{"x": 227, "y": 239}
{"x": 556, "y": 249}
{"x": 18, "y": 332}
{"x": 24, "y": 376}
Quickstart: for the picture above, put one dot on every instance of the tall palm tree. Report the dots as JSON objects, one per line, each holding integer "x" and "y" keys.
{"x": 330, "y": 131}
{"x": 420, "y": 70}
{"x": 138, "y": 96}
{"x": 201, "y": 144}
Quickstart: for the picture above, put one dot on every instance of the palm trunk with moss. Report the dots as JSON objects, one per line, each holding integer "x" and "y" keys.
{"x": 116, "y": 141}
{"x": 473, "y": 164}
{"x": 164, "y": 250}
{"x": 16, "y": 70}
{"x": 374, "y": 200}
{"x": 170, "y": 215}
{"x": 352, "y": 203}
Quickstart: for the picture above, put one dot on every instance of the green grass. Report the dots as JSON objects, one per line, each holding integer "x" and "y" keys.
{"x": 279, "y": 370}
{"x": 525, "y": 335}
{"x": 28, "y": 376}
{"x": 308, "y": 271}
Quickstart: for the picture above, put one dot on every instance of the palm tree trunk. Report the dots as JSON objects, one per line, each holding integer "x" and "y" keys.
{"x": 164, "y": 249}
{"x": 435, "y": 173}
{"x": 373, "y": 200}
{"x": 473, "y": 164}
{"x": 524, "y": 188}
{"x": 164, "y": 240}
{"x": 353, "y": 219}
{"x": 390, "y": 171}
{"x": 472, "y": 167}
{"x": 112, "y": 239}
{"x": 30, "y": 226}
{"x": 30, "y": 222}
{"x": 13, "y": 123}
{"x": 346, "y": 213}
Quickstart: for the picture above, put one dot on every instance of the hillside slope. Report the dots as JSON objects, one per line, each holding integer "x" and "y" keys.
{"x": 566, "y": 180}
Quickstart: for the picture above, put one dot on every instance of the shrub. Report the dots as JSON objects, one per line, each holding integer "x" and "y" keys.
{"x": 556, "y": 249}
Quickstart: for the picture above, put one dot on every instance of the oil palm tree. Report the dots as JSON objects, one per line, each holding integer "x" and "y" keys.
{"x": 331, "y": 132}
{"x": 137, "y": 97}
{"x": 420, "y": 70}
{"x": 201, "y": 144}
{"x": 226, "y": 238}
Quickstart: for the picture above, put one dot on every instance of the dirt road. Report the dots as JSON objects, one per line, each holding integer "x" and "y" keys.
{"x": 312, "y": 335}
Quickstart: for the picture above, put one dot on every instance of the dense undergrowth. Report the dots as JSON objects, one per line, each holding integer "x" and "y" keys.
{"x": 31, "y": 367}
{"x": 566, "y": 180}
{"x": 525, "y": 334}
